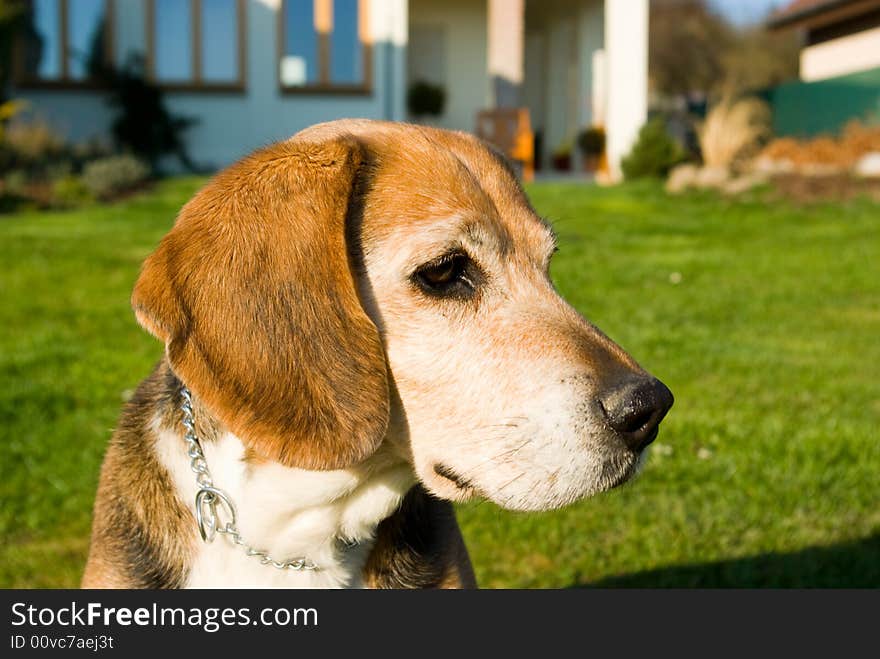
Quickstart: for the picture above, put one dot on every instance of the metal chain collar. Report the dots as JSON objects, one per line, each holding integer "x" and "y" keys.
{"x": 213, "y": 504}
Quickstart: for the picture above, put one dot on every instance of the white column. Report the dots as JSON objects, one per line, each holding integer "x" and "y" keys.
{"x": 390, "y": 33}
{"x": 506, "y": 38}
{"x": 626, "y": 52}
{"x": 399, "y": 40}
{"x": 599, "y": 90}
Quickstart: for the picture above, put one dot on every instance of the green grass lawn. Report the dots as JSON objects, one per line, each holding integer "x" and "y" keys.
{"x": 762, "y": 317}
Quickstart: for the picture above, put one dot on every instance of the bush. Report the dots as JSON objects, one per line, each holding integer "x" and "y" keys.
{"x": 93, "y": 149}
{"x": 32, "y": 142}
{"x": 58, "y": 170}
{"x": 653, "y": 154}
{"x": 110, "y": 177}
{"x": 15, "y": 182}
{"x": 34, "y": 147}
{"x": 143, "y": 125}
{"x": 591, "y": 141}
{"x": 8, "y": 110}
{"x": 562, "y": 155}
{"x": 564, "y": 148}
{"x": 70, "y": 191}
{"x": 425, "y": 98}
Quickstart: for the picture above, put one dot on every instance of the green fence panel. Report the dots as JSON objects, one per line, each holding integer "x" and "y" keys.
{"x": 807, "y": 109}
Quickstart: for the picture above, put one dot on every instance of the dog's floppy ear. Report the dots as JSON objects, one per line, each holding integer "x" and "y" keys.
{"x": 253, "y": 293}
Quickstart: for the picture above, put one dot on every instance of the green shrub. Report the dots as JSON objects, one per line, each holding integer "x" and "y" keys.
{"x": 70, "y": 191}
{"x": 654, "y": 153}
{"x": 93, "y": 149}
{"x": 109, "y": 177}
{"x": 591, "y": 141}
{"x": 15, "y": 182}
{"x": 143, "y": 124}
{"x": 58, "y": 170}
{"x": 425, "y": 98}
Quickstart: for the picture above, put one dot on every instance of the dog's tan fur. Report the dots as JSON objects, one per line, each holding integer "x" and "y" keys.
{"x": 283, "y": 295}
{"x": 256, "y": 261}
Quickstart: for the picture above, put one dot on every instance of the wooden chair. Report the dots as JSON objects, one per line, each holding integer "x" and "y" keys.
{"x": 509, "y": 129}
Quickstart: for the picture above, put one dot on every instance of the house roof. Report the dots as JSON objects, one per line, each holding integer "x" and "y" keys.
{"x": 801, "y": 12}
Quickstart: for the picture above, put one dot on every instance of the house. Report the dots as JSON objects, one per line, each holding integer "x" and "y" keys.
{"x": 840, "y": 37}
{"x": 254, "y": 71}
{"x": 839, "y": 67}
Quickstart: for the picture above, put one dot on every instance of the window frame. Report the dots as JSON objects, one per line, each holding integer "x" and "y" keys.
{"x": 197, "y": 84}
{"x": 24, "y": 80}
{"x": 324, "y": 85}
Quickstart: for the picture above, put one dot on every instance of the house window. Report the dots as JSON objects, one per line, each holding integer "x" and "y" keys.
{"x": 196, "y": 44}
{"x": 64, "y": 42}
{"x": 324, "y": 46}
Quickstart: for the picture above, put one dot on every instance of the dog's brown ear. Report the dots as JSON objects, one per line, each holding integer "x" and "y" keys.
{"x": 253, "y": 293}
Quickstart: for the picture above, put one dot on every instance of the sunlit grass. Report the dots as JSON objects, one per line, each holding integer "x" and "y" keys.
{"x": 761, "y": 316}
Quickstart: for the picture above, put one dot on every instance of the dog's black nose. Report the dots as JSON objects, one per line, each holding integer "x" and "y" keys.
{"x": 635, "y": 409}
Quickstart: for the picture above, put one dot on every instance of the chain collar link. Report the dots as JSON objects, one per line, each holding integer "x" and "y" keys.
{"x": 215, "y": 512}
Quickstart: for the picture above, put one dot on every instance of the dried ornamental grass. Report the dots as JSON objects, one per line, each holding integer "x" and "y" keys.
{"x": 732, "y": 130}
{"x": 33, "y": 140}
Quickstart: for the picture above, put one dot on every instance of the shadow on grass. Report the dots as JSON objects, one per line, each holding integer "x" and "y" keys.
{"x": 849, "y": 565}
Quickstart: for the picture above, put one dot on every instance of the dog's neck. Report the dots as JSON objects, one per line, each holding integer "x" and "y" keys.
{"x": 326, "y": 517}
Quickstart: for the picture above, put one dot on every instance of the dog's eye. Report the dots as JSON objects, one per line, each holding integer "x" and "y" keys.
{"x": 443, "y": 273}
{"x": 451, "y": 275}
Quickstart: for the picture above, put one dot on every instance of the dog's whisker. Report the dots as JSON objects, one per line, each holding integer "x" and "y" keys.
{"x": 510, "y": 422}
{"x": 468, "y": 473}
{"x": 511, "y": 481}
{"x": 503, "y": 454}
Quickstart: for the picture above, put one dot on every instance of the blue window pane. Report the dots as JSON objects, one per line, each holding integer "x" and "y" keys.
{"x": 85, "y": 37}
{"x": 173, "y": 39}
{"x": 299, "y": 63}
{"x": 43, "y": 58}
{"x": 219, "y": 40}
{"x": 346, "y": 51}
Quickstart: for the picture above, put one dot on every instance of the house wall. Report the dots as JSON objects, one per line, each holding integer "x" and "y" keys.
{"x": 848, "y": 54}
{"x": 591, "y": 42}
{"x": 77, "y": 115}
{"x": 534, "y": 80}
{"x": 232, "y": 124}
{"x": 560, "y": 117}
{"x": 562, "y": 37}
{"x": 463, "y": 26}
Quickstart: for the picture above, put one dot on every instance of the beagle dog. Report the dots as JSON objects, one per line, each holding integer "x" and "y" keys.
{"x": 359, "y": 329}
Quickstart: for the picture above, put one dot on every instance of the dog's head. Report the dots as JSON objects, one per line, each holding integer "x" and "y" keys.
{"x": 367, "y": 282}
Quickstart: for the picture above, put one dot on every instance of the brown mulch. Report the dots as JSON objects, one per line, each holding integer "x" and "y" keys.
{"x": 844, "y": 151}
{"x": 830, "y": 187}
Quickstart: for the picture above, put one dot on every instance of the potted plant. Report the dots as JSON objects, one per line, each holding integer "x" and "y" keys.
{"x": 562, "y": 156}
{"x": 591, "y": 142}
{"x": 425, "y": 99}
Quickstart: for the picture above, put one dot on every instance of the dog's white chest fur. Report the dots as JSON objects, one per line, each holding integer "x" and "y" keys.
{"x": 328, "y": 517}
